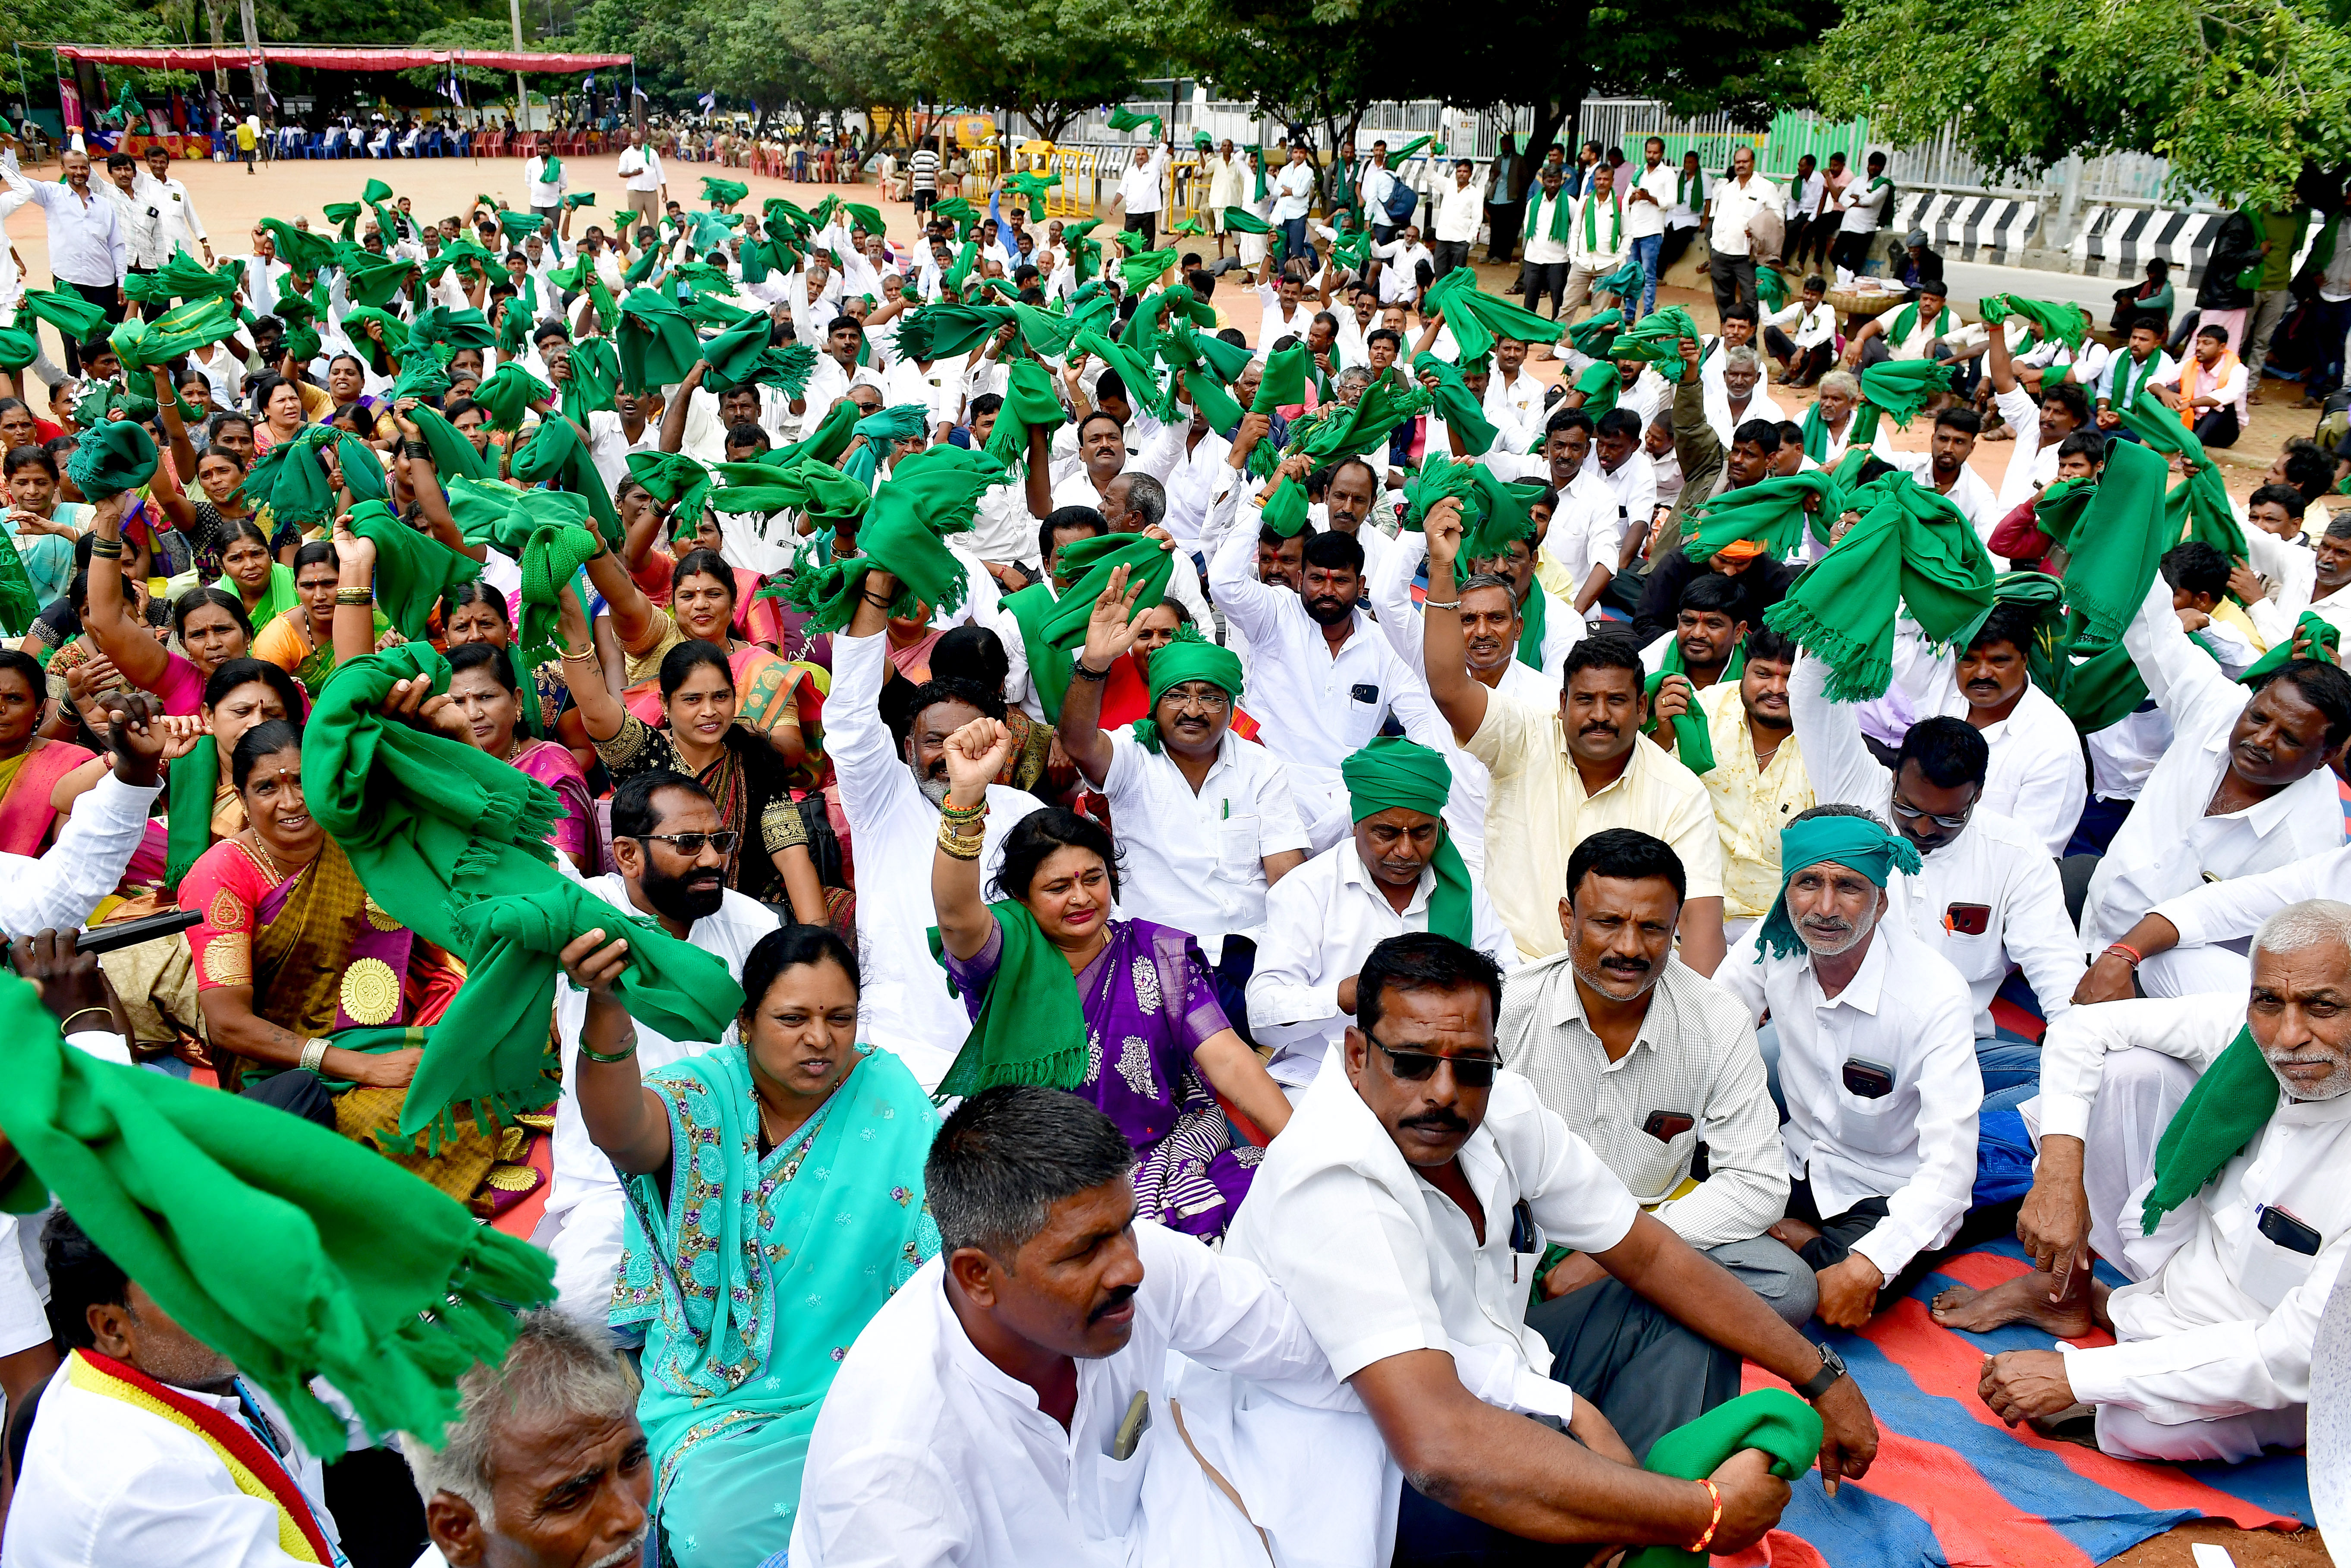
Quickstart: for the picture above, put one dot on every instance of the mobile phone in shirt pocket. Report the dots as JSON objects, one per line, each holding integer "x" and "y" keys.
{"x": 2279, "y": 1253}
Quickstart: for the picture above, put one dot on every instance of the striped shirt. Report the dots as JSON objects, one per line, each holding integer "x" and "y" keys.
{"x": 924, "y": 167}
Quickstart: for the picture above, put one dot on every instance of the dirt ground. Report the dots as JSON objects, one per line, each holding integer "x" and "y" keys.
{"x": 231, "y": 201}
{"x": 2250, "y": 1548}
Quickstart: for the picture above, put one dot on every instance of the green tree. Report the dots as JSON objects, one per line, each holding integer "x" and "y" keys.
{"x": 1291, "y": 67}
{"x": 1047, "y": 61}
{"x": 2237, "y": 94}
{"x": 474, "y": 34}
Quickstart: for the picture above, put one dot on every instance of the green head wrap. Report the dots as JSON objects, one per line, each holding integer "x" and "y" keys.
{"x": 1190, "y": 657}
{"x": 1394, "y": 773}
{"x": 1858, "y": 844}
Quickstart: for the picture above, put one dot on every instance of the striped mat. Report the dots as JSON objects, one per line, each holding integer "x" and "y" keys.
{"x": 1953, "y": 1487}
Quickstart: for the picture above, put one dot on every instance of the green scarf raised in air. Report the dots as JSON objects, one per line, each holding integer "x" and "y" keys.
{"x": 295, "y": 1252}
{"x": 1039, "y": 1034}
{"x": 1912, "y": 549}
{"x": 1772, "y": 512}
{"x": 2234, "y": 1099}
{"x": 1392, "y": 773}
{"x": 433, "y": 828}
{"x": 1188, "y": 657}
{"x": 2320, "y": 642}
{"x": 1600, "y": 382}
{"x": 1771, "y": 1419}
{"x": 1052, "y": 629}
{"x": 1858, "y": 844}
{"x": 1693, "y": 739}
{"x": 930, "y": 495}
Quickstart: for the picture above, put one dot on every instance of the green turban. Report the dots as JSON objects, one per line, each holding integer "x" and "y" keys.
{"x": 1858, "y": 844}
{"x": 1394, "y": 773}
{"x": 1190, "y": 657}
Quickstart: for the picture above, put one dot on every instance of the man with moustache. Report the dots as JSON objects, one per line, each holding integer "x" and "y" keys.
{"x": 1011, "y": 1404}
{"x": 1632, "y": 1046}
{"x": 1403, "y": 1210}
{"x": 2196, "y": 1145}
{"x": 890, "y": 794}
{"x": 1581, "y": 541}
{"x": 1759, "y": 782}
{"x": 1398, "y": 872}
{"x": 654, "y": 817}
{"x": 1877, "y": 1059}
{"x": 1566, "y": 768}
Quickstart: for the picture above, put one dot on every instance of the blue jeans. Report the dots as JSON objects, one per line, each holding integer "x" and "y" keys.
{"x": 2334, "y": 316}
{"x": 1645, "y": 251}
{"x": 1293, "y": 238}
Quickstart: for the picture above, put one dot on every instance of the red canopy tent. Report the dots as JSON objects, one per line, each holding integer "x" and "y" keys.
{"x": 371, "y": 57}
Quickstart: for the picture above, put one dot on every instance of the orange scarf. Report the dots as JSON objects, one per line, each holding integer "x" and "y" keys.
{"x": 257, "y": 1471}
{"x": 2192, "y": 384}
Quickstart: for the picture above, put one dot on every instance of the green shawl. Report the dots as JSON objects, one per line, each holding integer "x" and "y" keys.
{"x": 1038, "y": 1035}
{"x": 452, "y": 843}
{"x": 2234, "y": 1099}
{"x": 1592, "y": 336}
{"x": 1772, "y": 512}
{"x": 1912, "y": 549}
{"x": 1772, "y": 1419}
{"x": 1658, "y": 339}
{"x": 2064, "y": 323}
{"x": 295, "y": 1252}
{"x": 115, "y": 457}
{"x": 1052, "y": 629}
{"x": 1600, "y": 382}
{"x": 194, "y": 783}
{"x": 1455, "y": 405}
{"x": 1479, "y": 318}
{"x": 1693, "y": 738}
{"x": 413, "y": 569}
{"x": 2117, "y": 547}
{"x": 1394, "y": 773}
{"x": 508, "y": 396}
{"x": 1029, "y": 403}
{"x": 930, "y": 495}
{"x": 2317, "y": 633}
{"x": 554, "y": 455}
{"x": 1905, "y": 321}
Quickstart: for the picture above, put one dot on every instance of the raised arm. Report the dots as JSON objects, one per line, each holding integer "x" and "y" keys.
{"x": 1445, "y": 658}
{"x": 120, "y": 636}
{"x": 633, "y": 620}
{"x": 1111, "y": 630}
{"x": 975, "y": 754}
{"x": 624, "y": 1118}
{"x": 673, "y": 429}
{"x": 600, "y": 713}
{"x": 175, "y": 429}
{"x": 354, "y": 620}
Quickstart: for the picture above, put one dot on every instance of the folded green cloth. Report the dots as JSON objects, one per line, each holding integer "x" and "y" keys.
{"x": 1125, "y": 119}
{"x": 297, "y": 1253}
{"x": 930, "y": 495}
{"x": 300, "y": 249}
{"x": 656, "y": 341}
{"x": 2322, "y": 642}
{"x": 19, "y": 348}
{"x": 1913, "y": 551}
{"x": 1143, "y": 268}
{"x": 508, "y": 394}
{"x": 1773, "y": 512}
{"x": 2062, "y": 322}
{"x": 1479, "y": 318}
{"x": 723, "y": 193}
{"x": 595, "y": 378}
{"x": 1772, "y": 1419}
{"x": 2199, "y": 509}
{"x": 1030, "y": 403}
{"x": 1462, "y": 412}
{"x": 290, "y": 478}
{"x": 372, "y": 280}
{"x": 413, "y": 569}
{"x": 1628, "y": 280}
{"x": 2233, "y": 1100}
{"x": 1053, "y": 628}
{"x": 70, "y": 314}
{"x": 182, "y": 277}
{"x": 1693, "y": 739}
{"x": 806, "y": 484}
{"x": 1593, "y": 335}
{"x": 554, "y": 455}
{"x": 2117, "y": 547}
{"x": 453, "y": 457}
{"x": 1902, "y": 388}
{"x": 457, "y": 329}
{"x": 1658, "y": 339}
{"x": 1032, "y": 1027}
{"x": 735, "y": 352}
{"x": 111, "y": 458}
{"x": 933, "y": 333}
{"x": 1241, "y": 221}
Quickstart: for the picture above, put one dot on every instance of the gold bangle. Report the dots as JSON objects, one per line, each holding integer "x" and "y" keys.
{"x": 583, "y": 653}
{"x": 956, "y": 847}
{"x": 67, "y": 1027}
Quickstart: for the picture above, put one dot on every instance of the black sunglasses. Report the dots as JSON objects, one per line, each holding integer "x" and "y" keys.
{"x": 1420, "y": 1066}
{"x": 724, "y": 840}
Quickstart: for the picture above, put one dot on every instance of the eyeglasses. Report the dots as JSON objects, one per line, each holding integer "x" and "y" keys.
{"x": 1420, "y": 1066}
{"x": 1904, "y": 809}
{"x": 1209, "y": 703}
{"x": 724, "y": 840}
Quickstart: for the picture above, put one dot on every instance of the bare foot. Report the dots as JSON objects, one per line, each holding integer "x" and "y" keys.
{"x": 2024, "y": 1300}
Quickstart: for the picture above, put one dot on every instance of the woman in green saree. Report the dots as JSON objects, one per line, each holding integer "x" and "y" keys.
{"x": 775, "y": 1194}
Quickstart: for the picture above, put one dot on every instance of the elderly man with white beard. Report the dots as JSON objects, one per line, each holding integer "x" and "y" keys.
{"x": 1876, "y": 1044}
{"x": 2198, "y": 1145}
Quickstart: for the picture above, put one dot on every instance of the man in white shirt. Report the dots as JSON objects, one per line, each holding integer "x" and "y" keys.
{"x": 1806, "y": 357}
{"x": 1014, "y": 1404}
{"x": 1876, "y": 1058}
{"x": 639, "y": 169}
{"x": 2232, "y": 1242}
{"x": 689, "y": 896}
{"x": 1597, "y": 235}
{"x": 1401, "y": 261}
{"x": 2244, "y": 787}
{"x": 1206, "y": 824}
{"x": 2038, "y": 431}
{"x": 1140, "y": 195}
{"x": 1574, "y": 1025}
{"x": 1397, "y": 870}
{"x": 1293, "y": 190}
{"x": 1741, "y": 399}
{"x": 1229, "y": 186}
{"x": 1403, "y": 1211}
{"x": 2208, "y": 387}
{"x": 1731, "y": 207}
{"x": 1628, "y": 472}
{"x": 1863, "y": 206}
{"x": 1944, "y": 468}
{"x": 119, "y": 1470}
{"x": 546, "y": 1463}
{"x": 1648, "y": 202}
{"x": 1514, "y": 397}
{"x": 1986, "y": 895}
{"x": 2127, "y": 374}
{"x": 178, "y": 227}
{"x": 1460, "y": 209}
{"x": 2035, "y": 779}
{"x": 891, "y": 800}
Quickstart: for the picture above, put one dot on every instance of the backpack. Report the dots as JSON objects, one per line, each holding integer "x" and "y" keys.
{"x": 1400, "y": 202}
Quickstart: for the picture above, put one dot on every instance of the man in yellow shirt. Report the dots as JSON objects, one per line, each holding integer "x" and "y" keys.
{"x": 1758, "y": 782}
{"x": 1560, "y": 776}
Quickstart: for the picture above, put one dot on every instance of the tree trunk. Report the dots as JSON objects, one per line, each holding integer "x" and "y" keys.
{"x": 220, "y": 72}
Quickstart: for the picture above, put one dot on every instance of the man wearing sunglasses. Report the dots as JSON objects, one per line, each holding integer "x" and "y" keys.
{"x": 1881, "y": 1088}
{"x": 1986, "y": 895}
{"x": 673, "y": 849}
{"x": 1403, "y": 1211}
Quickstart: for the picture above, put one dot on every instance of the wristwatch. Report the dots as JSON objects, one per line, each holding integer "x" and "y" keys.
{"x": 1818, "y": 1384}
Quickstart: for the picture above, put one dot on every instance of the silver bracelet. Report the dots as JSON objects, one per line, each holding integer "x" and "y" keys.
{"x": 314, "y": 1055}
{"x": 1433, "y": 604}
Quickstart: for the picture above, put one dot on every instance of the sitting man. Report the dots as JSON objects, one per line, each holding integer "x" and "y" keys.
{"x": 1403, "y": 1212}
{"x": 1399, "y": 870}
{"x": 2034, "y": 776}
{"x": 149, "y": 1448}
{"x": 1574, "y": 1025}
{"x": 545, "y": 1464}
{"x": 1759, "y": 782}
{"x": 1011, "y": 1403}
{"x": 1877, "y": 1058}
{"x": 2199, "y": 1146}
{"x": 688, "y": 894}
{"x": 1985, "y": 895}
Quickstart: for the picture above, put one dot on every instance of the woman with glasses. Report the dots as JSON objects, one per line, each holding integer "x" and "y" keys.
{"x": 749, "y": 779}
{"x": 1123, "y": 1013}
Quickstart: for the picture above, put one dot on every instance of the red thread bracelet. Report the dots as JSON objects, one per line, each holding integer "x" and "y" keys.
{"x": 2133, "y": 954}
{"x": 1712, "y": 1524}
